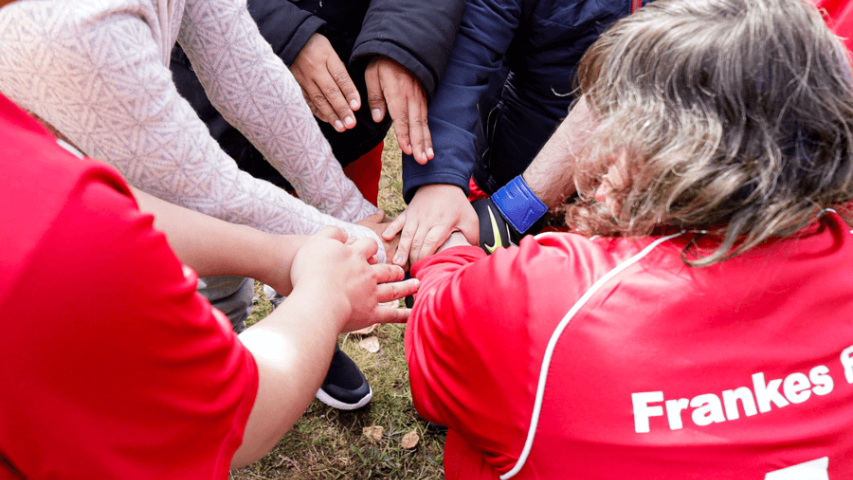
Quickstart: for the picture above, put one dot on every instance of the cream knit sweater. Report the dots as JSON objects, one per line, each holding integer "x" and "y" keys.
{"x": 97, "y": 70}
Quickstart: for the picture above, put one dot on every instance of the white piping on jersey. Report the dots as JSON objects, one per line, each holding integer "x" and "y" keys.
{"x": 70, "y": 148}
{"x": 552, "y": 344}
{"x": 820, "y": 214}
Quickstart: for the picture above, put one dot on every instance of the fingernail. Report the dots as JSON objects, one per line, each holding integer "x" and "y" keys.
{"x": 376, "y": 114}
{"x": 353, "y": 104}
{"x": 349, "y": 121}
{"x": 339, "y": 125}
{"x": 430, "y": 152}
{"x": 399, "y": 260}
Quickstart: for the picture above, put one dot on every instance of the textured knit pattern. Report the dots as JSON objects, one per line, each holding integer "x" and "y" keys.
{"x": 97, "y": 71}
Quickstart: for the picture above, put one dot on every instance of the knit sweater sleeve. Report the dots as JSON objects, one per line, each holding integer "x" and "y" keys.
{"x": 256, "y": 93}
{"x": 98, "y": 77}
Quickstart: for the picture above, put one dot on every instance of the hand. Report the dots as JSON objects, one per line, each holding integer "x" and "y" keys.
{"x": 392, "y": 86}
{"x": 434, "y": 213}
{"x": 326, "y": 85}
{"x": 379, "y": 224}
{"x": 350, "y": 283}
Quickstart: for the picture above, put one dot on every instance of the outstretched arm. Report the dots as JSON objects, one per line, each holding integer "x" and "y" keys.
{"x": 551, "y": 175}
{"x": 335, "y": 289}
{"x": 215, "y": 247}
{"x": 115, "y": 99}
{"x": 486, "y": 31}
{"x": 256, "y": 93}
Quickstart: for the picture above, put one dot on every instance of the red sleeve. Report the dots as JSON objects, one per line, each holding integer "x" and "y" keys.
{"x": 112, "y": 365}
{"x": 473, "y": 361}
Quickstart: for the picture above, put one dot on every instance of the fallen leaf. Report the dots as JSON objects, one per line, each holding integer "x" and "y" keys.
{"x": 410, "y": 440}
{"x": 371, "y": 344}
{"x": 366, "y": 330}
{"x": 373, "y": 433}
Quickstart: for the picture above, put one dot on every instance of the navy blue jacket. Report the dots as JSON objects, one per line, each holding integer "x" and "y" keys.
{"x": 416, "y": 34}
{"x": 507, "y": 87}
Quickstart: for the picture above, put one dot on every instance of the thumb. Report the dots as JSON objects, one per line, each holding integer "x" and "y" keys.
{"x": 333, "y": 233}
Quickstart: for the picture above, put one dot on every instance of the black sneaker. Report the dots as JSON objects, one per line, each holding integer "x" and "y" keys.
{"x": 345, "y": 387}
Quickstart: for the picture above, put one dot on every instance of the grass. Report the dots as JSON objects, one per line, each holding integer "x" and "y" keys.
{"x": 330, "y": 444}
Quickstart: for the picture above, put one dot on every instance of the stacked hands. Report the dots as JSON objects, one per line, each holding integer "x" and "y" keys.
{"x": 346, "y": 273}
{"x": 436, "y": 210}
{"x": 425, "y": 226}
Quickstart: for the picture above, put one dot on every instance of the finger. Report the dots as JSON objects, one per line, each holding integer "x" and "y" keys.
{"x": 375, "y": 97}
{"x": 386, "y": 273}
{"x": 394, "y": 227}
{"x": 417, "y": 124}
{"x": 345, "y": 83}
{"x": 333, "y": 233}
{"x": 388, "y": 292}
{"x": 430, "y": 153}
{"x": 406, "y": 237}
{"x": 365, "y": 247}
{"x": 336, "y": 87}
{"x": 417, "y": 244}
{"x": 384, "y": 314}
{"x": 399, "y": 111}
{"x": 317, "y": 113}
{"x": 434, "y": 239}
{"x": 318, "y": 98}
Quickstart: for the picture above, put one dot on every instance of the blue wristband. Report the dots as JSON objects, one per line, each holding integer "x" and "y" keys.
{"x": 519, "y": 205}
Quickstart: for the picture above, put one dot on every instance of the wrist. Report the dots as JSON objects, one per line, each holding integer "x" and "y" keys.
{"x": 519, "y": 204}
{"x": 330, "y": 300}
{"x": 456, "y": 239}
{"x": 276, "y": 260}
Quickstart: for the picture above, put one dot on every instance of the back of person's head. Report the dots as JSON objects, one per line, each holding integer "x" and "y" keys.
{"x": 732, "y": 116}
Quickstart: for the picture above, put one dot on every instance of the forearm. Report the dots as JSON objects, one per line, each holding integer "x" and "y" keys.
{"x": 256, "y": 93}
{"x": 215, "y": 247}
{"x": 485, "y": 33}
{"x": 292, "y": 348}
{"x": 160, "y": 145}
{"x": 551, "y": 174}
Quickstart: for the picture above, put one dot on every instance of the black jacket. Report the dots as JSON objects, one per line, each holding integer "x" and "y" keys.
{"x": 414, "y": 33}
{"x": 508, "y": 85}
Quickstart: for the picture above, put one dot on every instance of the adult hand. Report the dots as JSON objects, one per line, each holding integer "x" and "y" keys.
{"x": 391, "y": 87}
{"x": 433, "y": 214}
{"x": 326, "y": 85}
{"x": 352, "y": 286}
{"x": 379, "y": 224}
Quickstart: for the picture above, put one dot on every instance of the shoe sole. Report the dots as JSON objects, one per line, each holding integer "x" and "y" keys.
{"x": 335, "y": 403}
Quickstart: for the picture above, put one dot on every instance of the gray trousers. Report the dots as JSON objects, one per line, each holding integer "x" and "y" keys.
{"x": 232, "y": 295}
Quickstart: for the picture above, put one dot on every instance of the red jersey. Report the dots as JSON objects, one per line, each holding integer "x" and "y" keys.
{"x": 111, "y": 365}
{"x": 610, "y": 359}
{"x": 839, "y": 17}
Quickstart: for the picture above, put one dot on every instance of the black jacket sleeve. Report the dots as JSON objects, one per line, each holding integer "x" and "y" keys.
{"x": 285, "y": 26}
{"x": 414, "y": 33}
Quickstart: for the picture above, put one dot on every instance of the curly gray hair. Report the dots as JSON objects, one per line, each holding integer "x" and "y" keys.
{"x": 729, "y": 116}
